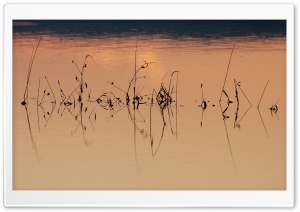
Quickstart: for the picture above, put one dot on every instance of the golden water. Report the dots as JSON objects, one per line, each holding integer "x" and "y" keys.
{"x": 114, "y": 150}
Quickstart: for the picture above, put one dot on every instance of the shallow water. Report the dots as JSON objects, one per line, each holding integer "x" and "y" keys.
{"x": 100, "y": 147}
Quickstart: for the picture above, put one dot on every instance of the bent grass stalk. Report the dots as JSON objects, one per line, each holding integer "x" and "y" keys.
{"x": 227, "y": 70}
{"x": 259, "y": 108}
{"x": 262, "y": 94}
{"x": 25, "y": 97}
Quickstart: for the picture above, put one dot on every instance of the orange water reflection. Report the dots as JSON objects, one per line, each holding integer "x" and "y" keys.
{"x": 94, "y": 147}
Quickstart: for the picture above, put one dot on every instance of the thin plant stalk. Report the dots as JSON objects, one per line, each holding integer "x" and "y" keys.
{"x": 37, "y": 105}
{"x": 262, "y": 121}
{"x": 262, "y": 94}
{"x": 29, "y": 73}
{"x": 227, "y": 136}
{"x": 227, "y": 70}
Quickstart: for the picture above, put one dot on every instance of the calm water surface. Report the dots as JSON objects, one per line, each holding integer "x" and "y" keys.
{"x": 184, "y": 146}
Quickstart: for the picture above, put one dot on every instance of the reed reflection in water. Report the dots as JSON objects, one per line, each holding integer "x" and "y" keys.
{"x": 140, "y": 109}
